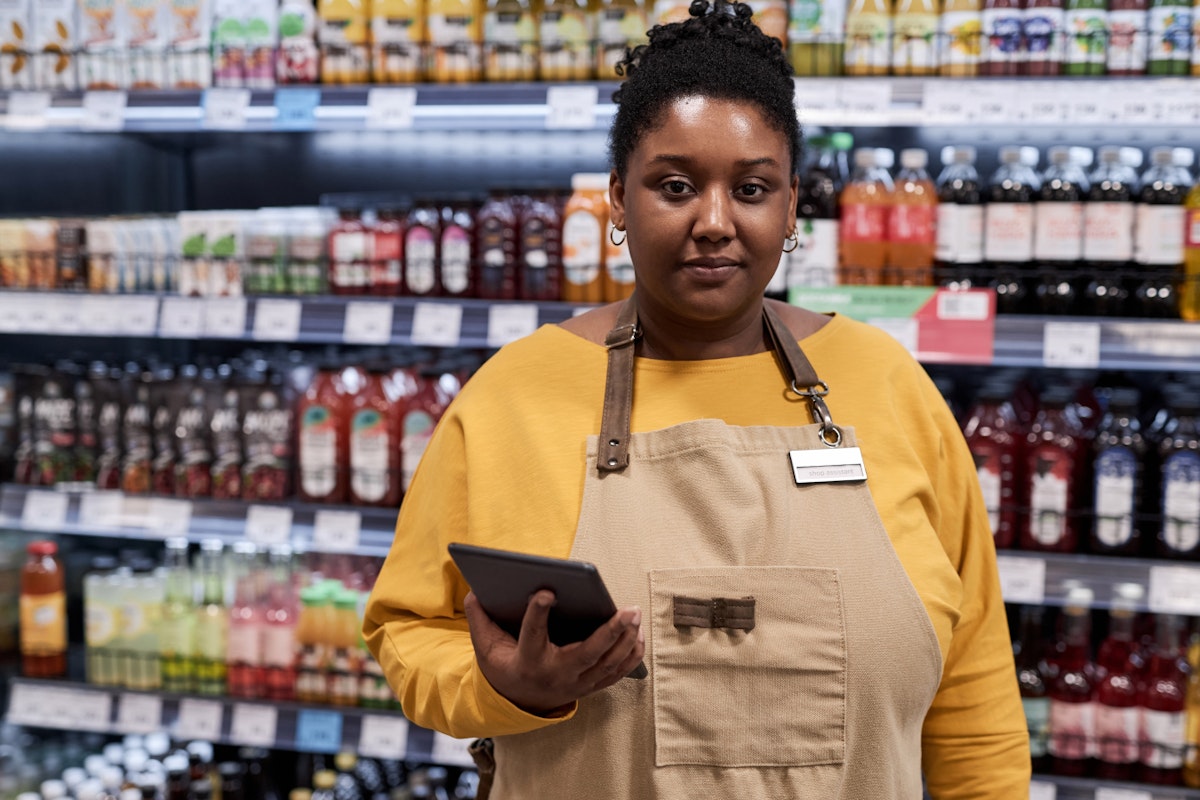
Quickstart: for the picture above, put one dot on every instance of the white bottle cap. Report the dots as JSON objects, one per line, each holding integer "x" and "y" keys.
{"x": 914, "y": 158}
{"x": 131, "y": 794}
{"x": 1080, "y": 597}
{"x": 73, "y": 776}
{"x": 864, "y": 157}
{"x": 95, "y": 764}
{"x": 1132, "y": 156}
{"x": 114, "y": 753}
{"x": 964, "y": 154}
{"x": 885, "y": 158}
{"x": 158, "y": 744}
{"x": 53, "y": 790}
{"x": 1083, "y": 156}
{"x": 1110, "y": 154}
{"x": 1184, "y": 157}
{"x": 133, "y": 742}
{"x": 112, "y": 778}
{"x": 89, "y": 790}
{"x": 1029, "y": 156}
{"x": 1128, "y": 596}
{"x": 947, "y": 155}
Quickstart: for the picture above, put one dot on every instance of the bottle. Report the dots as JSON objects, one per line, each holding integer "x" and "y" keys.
{"x": 455, "y": 35}
{"x": 1128, "y": 40}
{"x": 567, "y": 30}
{"x": 422, "y": 233}
{"x": 816, "y": 37}
{"x": 1072, "y": 692}
{"x": 1008, "y": 229}
{"x": 960, "y": 38}
{"x": 993, "y": 434}
{"x": 323, "y": 783}
{"x": 100, "y": 615}
{"x": 1043, "y": 32}
{"x": 1003, "y": 47}
{"x": 1120, "y": 449}
{"x": 324, "y": 445}
{"x": 137, "y": 436}
{"x": 1052, "y": 467}
{"x": 456, "y": 249}
{"x": 43, "y": 613}
{"x": 958, "y": 255}
{"x": 868, "y": 48}
{"x": 178, "y": 779}
{"x": 1179, "y": 456}
{"x": 344, "y": 667}
{"x": 177, "y": 631}
{"x": 142, "y": 616}
{"x": 1058, "y": 232}
{"x": 496, "y": 248}
{"x": 374, "y": 445}
{"x": 1086, "y": 31}
{"x": 226, "y": 437}
{"x": 1189, "y": 291}
{"x": 865, "y": 204}
{"x": 585, "y": 222}
{"x": 311, "y": 657}
{"x": 621, "y": 26}
{"x": 1159, "y": 240}
{"x": 349, "y": 254}
{"x": 912, "y": 223}
{"x": 1118, "y": 715}
{"x": 192, "y": 448}
{"x": 387, "y": 254}
{"x": 914, "y": 43}
{"x": 232, "y": 787}
{"x": 200, "y": 790}
{"x": 347, "y": 786}
{"x": 344, "y": 35}
{"x": 815, "y": 259}
{"x": 397, "y": 39}
{"x": 1108, "y": 218}
{"x": 212, "y": 621}
{"x": 1164, "y": 702}
{"x": 421, "y": 416}
{"x": 510, "y": 37}
{"x": 1031, "y": 678}
{"x": 1170, "y": 34}
{"x": 298, "y": 60}
{"x": 540, "y": 260}
{"x": 1191, "y": 765}
{"x": 278, "y": 644}
{"x": 244, "y": 653}
{"x": 268, "y": 435}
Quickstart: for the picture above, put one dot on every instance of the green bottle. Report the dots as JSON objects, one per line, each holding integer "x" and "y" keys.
{"x": 1087, "y": 37}
{"x": 177, "y": 626}
{"x": 212, "y": 621}
{"x": 1170, "y": 37}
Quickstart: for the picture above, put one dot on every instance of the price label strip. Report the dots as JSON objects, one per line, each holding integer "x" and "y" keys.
{"x": 169, "y": 517}
{"x": 100, "y": 316}
{"x": 39, "y": 313}
{"x": 383, "y": 737}
{"x": 337, "y": 531}
{"x": 267, "y": 525}
{"x": 199, "y": 719}
{"x": 102, "y": 510}
{"x": 277, "y": 320}
{"x": 1071, "y": 344}
{"x": 296, "y": 109}
{"x": 27, "y": 111}
{"x": 225, "y": 109}
{"x": 1111, "y": 793}
{"x": 391, "y": 109}
{"x": 571, "y": 107}
{"x": 225, "y": 317}
{"x": 437, "y": 324}
{"x": 1175, "y": 590}
{"x": 367, "y": 323}
{"x": 138, "y": 316}
{"x": 817, "y": 101}
{"x": 318, "y": 731}
{"x": 93, "y": 711}
{"x": 104, "y": 111}
{"x": 1022, "y": 580}
{"x": 451, "y": 752}
{"x": 254, "y": 725}
{"x": 182, "y": 318}
{"x": 1040, "y": 790}
{"x": 509, "y": 322}
{"x": 139, "y": 713}
{"x": 949, "y": 103}
{"x": 45, "y": 510}
{"x": 27, "y": 705}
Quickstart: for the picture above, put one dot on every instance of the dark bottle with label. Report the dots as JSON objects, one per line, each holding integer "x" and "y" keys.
{"x": 232, "y": 787}
{"x": 818, "y": 211}
{"x": 1052, "y": 466}
{"x": 994, "y": 436}
{"x": 1108, "y": 219}
{"x": 1003, "y": 39}
{"x": 1008, "y": 228}
{"x": 1128, "y": 27}
{"x": 1043, "y": 26}
{"x": 1119, "y": 449}
{"x": 1179, "y": 456}
{"x": 458, "y": 249}
{"x": 1164, "y": 747}
{"x": 349, "y": 254}
{"x": 1058, "y": 233}
{"x": 1158, "y": 246}
{"x": 387, "y": 253}
{"x": 959, "y": 255}
{"x": 1119, "y": 663}
{"x": 1029, "y": 654}
{"x": 539, "y": 248}
{"x": 496, "y": 249}
{"x": 422, "y": 235}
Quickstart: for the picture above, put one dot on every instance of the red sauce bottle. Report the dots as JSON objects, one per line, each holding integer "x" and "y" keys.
{"x": 1052, "y": 465}
{"x": 994, "y": 436}
{"x": 43, "y": 613}
{"x": 458, "y": 249}
{"x": 349, "y": 254}
{"x": 387, "y": 253}
{"x": 374, "y": 447}
{"x": 323, "y": 448}
{"x": 420, "y": 417}
{"x": 421, "y": 239}
{"x": 540, "y": 267}
{"x": 1117, "y": 693}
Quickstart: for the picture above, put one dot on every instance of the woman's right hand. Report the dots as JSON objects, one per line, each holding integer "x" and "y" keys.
{"x": 541, "y": 677}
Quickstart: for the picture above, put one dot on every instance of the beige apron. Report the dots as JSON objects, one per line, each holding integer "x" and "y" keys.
{"x": 817, "y": 688}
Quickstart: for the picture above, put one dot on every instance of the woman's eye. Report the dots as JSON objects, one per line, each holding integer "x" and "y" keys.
{"x": 753, "y": 190}
{"x": 675, "y": 187}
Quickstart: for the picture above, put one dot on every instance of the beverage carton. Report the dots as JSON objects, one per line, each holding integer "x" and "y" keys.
{"x": 298, "y": 61}
{"x": 14, "y": 265}
{"x": 148, "y": 30}
{"x": 189, "y": 36}
{"x": 55, "y": 39}
{"x": 102, "y": 250}
{"x": 16, "y": 27}
{"x": 40, "y": 242}
{"x": 193, "y": 249}
{"x": 227, "y": 251}
{"x": 104, "y": 60}
{"x": 262, "y": 42}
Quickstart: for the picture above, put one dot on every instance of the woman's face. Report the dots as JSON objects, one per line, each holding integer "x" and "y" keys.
{"x": 707, "y": 200}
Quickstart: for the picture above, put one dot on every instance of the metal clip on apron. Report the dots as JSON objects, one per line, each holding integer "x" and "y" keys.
{"x": 790, "y": 657}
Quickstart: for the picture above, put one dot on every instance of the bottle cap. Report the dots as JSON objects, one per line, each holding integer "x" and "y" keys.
{"x": 947, "y": 154}
{"x": 131, "y": 794}
{"x": 200, "y": 751}
{"x": 345, "y": 762}
{"x": 1162, "y": 157}
{"x": 1010, "y": 154}
{"x": 73, "y": 776}
{"x": 42, "y": 547}
{"x": 53, "y": 790}
{"x": 133, "y": 742}
{"x": 300, "y": 794}
{"x": 176, "y": 764}
{"x": 1183, "y": 157}
{"x": 95, "y": 764}
{"x": 158, "y": 744}
{"x": 345, "y": 600}
{"x": 1131, "y": 157}
{"x": 964, "y": 154}
{"x": 842, "y": 141}
{"x": 1029, "y": 156}
{"x": 589, "y": 182}
{"x": 1110, "y": 154}
{"x": 885, "y": 158}
{"x": 324, "y": 779}
{"x": 1082, "y": 156}
{"x": 112, "y": 777}
{"x": 1080, "y": 598}
{"x": 1059, "y": 155}
{"x": 864, "y": 158}
{"x": 1127, "y": 596}
{"x": 914, "y": 158}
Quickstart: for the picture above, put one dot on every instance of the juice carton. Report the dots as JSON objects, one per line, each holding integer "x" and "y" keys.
{"x": 189, "y": 34}
{"x": 397, "y": 37}
{"x": 102, "y": 246}
{"x": 126, "y": 257}
{"x": 147, "y": 22}
{"x": 226, "y": 251}
{"x": 14, "y": 266}
{"x": 229, "y": 44}
{"x": 262, "y": 40}
{"x": 55, "y": 28}
{"x": 41, "y": 240}
{"x": 103, "y": 61}
{"x": 16, "y": 25}
{"x": 192, "y": 276}
{"x": 298, "y": 60}
{"x": 164, "y": 250}
{"x": 344, "y": 36}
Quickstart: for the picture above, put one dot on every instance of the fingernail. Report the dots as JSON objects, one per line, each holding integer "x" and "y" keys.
{"x": 641, "y": 635}
{"x": 637, "y": 617}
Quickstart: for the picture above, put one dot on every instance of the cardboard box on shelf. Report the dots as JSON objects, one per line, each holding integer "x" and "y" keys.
{"x": 16, "y": 29}
{"x": 148, "y": 28}
{"x": 104, "y": 57}
{"x": 189, "y": 57}
{"x": 54, "y": 43}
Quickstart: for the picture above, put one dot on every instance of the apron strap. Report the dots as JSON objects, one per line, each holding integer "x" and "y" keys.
{"x": 804, "y": 380}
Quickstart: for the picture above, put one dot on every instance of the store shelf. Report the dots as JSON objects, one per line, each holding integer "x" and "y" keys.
{"x": 1048, "y": 787}
{"x": 104, "y": 514}
{"x": 1045, "y": 579}
{"x": 1128, "y": 344}
{"x": 289, "y": 726}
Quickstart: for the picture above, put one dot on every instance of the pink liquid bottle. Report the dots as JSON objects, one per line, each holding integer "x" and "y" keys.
{"x": 1118, "y": 714}
{"x": 1164, "y": 702}
{"x": 1032, "y": 676}
{"x": 993, "y": 433}
{"x": 279, "y": 628}
{"x": 1053, "y": 452}
{"x": 244, "y": 643}
{"x": 1073, "y": 692}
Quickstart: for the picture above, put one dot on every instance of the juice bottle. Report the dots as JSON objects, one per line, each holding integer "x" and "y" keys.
{"x": 279, "y": 628}
{"x": 397, "y": 40}
{"x": 422, "y": 233}
{"x": 1120, "y": 449}
{"x": 1189, "y": 290}
{"x": 245, "y": 654}
{"x": 1117, "y": 712}
{"x": 1170, "y": 26}
{"x": 622, "y": 24}
{"x": 772, "y": 17}
{"x": 496, "y": 248}
{"x": 421, "y": 415}
{"x": 865, "y": 202}
{"x": 1032, "y": 679}
{"x": 1043, "y": 30}
{"x": 912, "y": 223}
{"x": 1108, "y": 218}
{"x": 212, "y": 621}
{"x": 1008, "y": 229}
{"x": 323, "y": 445}
{"x": 1052, "y": 469}
{"x": 1164, "y": 704}
{"x": 344, "y": 35}
{"x": 387, "y": 253}
{"x": 1160, "y": 231}
{"x": 510, "y": 41}
{"x": 1087, "y": 37}
{"x": 815, "y": 259}
{"x": 193, "y": 443}
{"x": 1003, "y": 47}
{"x": 344, "y": 666}
{"x": 349, "y": 253}
{"x": 1128, "y": 40}
{"x": 298, "y": 60}
{"x": 455, "y": 40}
{"x": 177, "y": 635}
{"x": 993, "y": 433}
{"x": 915, "y": 46}
{"x": 868, "y": 49}
{"x": 585, "y": 223}
{"x": 374, "y": 450}
{"x": 958, "y": 256}
{"x": 311, "y": 661}
{"x": 100, "y": 615}
{"x": 43, "y": 604}
{"x": 146, "y": 602}
{"x": 1073, "y": 691}
{"x": 1179, "y": 456}
{"x": 1191, "y": 765}
{"x": 567, "y": 30}
{"x": 960, "y": 38}
{"x": 268, "y": 438}
{"x": 457, "y": 249}
{"x": 1058, "y": 232}
{"x": 816, "y": 37}
{"x": 540, "y": 266}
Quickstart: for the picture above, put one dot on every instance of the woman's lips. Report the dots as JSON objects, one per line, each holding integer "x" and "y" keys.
{"x": 710, "y": 270}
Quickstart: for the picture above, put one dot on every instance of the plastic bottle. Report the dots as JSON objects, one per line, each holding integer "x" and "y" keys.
{"x": 912, "y": 223}
{"x": 349, "y": 254}
{"x": 1164, "y": 703}
{"x": 398, "y": 39}
{"x": 1160, "y": 232}
{"x": 1120, "y": 450}
{"x": 1118, "y": 715}
{"x": 43, "y": 613}
{"x": 344, "y": 35}
{"x": 1086, "y": 30}
{"x": 278, "y": 631}
{"x": 1073, "y": 691}
{"x": 1043, "y": 29}
{"x": 567, "y": 29}
{"x": 212, "y": 621}
{"x": 1058, "y": 232}
{"x": 386, "y": 274}
{"x": 816, "y": 37}
{"x": 177, "y": 634}
{"x": 323, "y": 441}
{"x": 244, "y": 652}
{"x": 374, "y": 445}
{"x": 1179, "y": 456}
{"x": 958, "y": 255}
{"x": 510, "y": 41}
{"x": 993, "y": 434}
{"x": 815, "y": 260}
{"x": 496, "y": 248}
{"x": 422, "y": 234}
{"x": 914, "y": 44}
{"x": 1170, "y": 27}
{"x": 455, "y": 31}
{"x": 1052, "y": 469}
{"x": 1128, "y": 40}
{"x": 868, "y": 49}
{"x": 421, "y": 416}
{"x": 311, "y": 657}
{"x": 344, "y": 667}
{"x": 539, "y": 248}
{"x": 1003, "y": 50}
{"x": 865, "y": 205}
{"x": 1108, "y": 219}
{"x": 323, "y": 784}
{"x": 1008, "y": 229}
{"x": 100, "y": 616}
{"x": 144, "y": 672}
{"x": 622, "y": 25}
{"x": 456, "y": 249}
{"x": 960, "y": 38}
{"x": 1189, "y": 291}
{"x": 585, "y": 223}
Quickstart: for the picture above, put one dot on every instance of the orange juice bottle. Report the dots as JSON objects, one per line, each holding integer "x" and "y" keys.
{"x": 455, "y": 33}
{"x": 510, "y": 41}
{"x": 1189, "y": 295}
{"x": 344, "y": 36}
{"x": 618, "y": 267}
{"x": 863, "y": 251}
{"x": 344, "y": 665}
{"x": 397, "y": 40}
{"x": 912, "y": 223}
{"x": 567, "y": 33}
{"x": 868, "y": 37}
{"x": 620, "y": 24}
{"x": 310, "y": 647}
{"x": 585, "y": 223}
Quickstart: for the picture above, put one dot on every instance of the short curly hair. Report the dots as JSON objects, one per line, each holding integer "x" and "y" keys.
{"x": 718, "y": 52}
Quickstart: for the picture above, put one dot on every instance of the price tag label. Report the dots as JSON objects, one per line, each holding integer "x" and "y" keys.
{"x": 199, "y": 719}
{"x": 1040, "y": 790}
{"x": 277, "y": 320}
{"x": 66, "y": 314}
{"x": 253, "y": 725}
{"x": 948, "y": 103}
{"x": 437, "y": 324}
{"x": 100, "y": 316}
{"x": 571, "y": 107}
{"x": 1179, "y": 103}
{"x": 337, "y": 531}
{"x": 1022, "y": 580}
{"x": 1071, "y": 344}
{"x": 182, "y": 318}
{"x": 451, "y": 752}
{"x": 27, "y": 111}
{"x": 1175, "y": 590}
{"x": 45, "y": 510}
{"x": 39, "y": 313}
{"x": 1135, "y": 104}
{"x": 225, "y": 317}
{"x": 906, "y": 331}
{"x": 1086, "y": 103}
{"x": 101, "y": 510}
{"x": 391, "y": 109}
{"x": 104, "y": 111}
{"x": 11, "y": 320}
{"x": 318, "y": 731}
{"x": 367, "y": 323}
{"x": 384, "y": 737}
{"x": 867, "y": 100}
{"x": 269, "y": 524}
{"x": 995, "y": 101}
{"x": 507, "y": 323}
{"x": 139, "y": 713}
{"x": 1109, "y": 793}
{"x": 964, "y": 306}
{"x": 170, "y": 517}
{"x": 817, "y": 99}
{"x": 1041, "y": 106}
{"x": 93, "y": 711}
{"x": 225, "y": 109}
{"x": 61, "y": 710}
{"x": 296, "y": 109}
{"x": 138, "y": 317}
{"x": 26, "y": 705}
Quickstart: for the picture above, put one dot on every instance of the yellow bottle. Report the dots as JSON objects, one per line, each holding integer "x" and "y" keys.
{"x": 344, "y": 37}
{"x": 620, "y": 24}
{"x": 915, "y": 26}
{"x": 397, "y": 40}
{"x": 456, "y": 40}
{"x": 816, "y": 36}
{"x": 567, "y": 33}
{"x": 869, "y": 37}
{"x": 510, "y": 41}
{"x": 1189, "y": 296}
{"x": 772, "y": 17}
{"x": 585, "y": 223}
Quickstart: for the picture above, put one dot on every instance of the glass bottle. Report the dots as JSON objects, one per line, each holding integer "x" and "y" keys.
{"x": 244, "y": 654}
{"x": 912, "y": 222}
{"x": 1119, "y": 449}
{"x": 621, "y": 25}
{"x": 868, "y": 48}
{"x": 1003, "y": 45}
{"x": 212, "y": 621}
{"x": 43, "y": 604}
{"x": 1164, "y": 702}
{"x": 815, "y": 260}
{"x": 1108, "y": 218}
{"x": 177, "y": 634}
{"x": 1042, "y": 30}
{"x": 1031, "y": 678}
{"x": 1189, "y": 291}
{"x": 816, "y": 37}
{"x": 496, "y": 248}
{"x": 1191, "y": 765}
{"x": 387, "y": 253}
{"x": 1128, "y": 39}
{"x": 510, "y": 38}
{"x": 1058, "y": 232}
{"x": 993, "y": 433}
{"x": 279, "y": 628}
{"x": 540, "y": 263}
{"x": 1179, "y": 457}
{"x": 422, "y": 233}
{"x": 1072, "y": 692}
{"x": 914, "y": 45}
{"x": 960, "y": 38}
{"x": 1086, "y": 32}
{"x": 1052, "y": 468}
{"x": 349, "y": 253}
{"x": 457, "y": 248}
{"x": 323, "y": 442}
{"x": 1170, "y": 34}
{"x": 1008, "y": 229}
{"x": 959, "y": 252}
{"x": 1158, "y": 245}
{"x": 1118, "y": 714}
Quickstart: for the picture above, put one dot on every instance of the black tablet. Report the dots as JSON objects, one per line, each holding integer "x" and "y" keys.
{"x": 504, "y": 581}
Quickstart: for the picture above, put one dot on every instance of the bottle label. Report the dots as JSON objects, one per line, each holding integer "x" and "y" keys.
{"x": 1171, "y": 34}
{"x": 456, "y": 260}
{"x": 1008, "y": 232}
{"x": 420, "y": 263}
{"x": 43, "y": 623}
{"x": 1049, "y": 495}
{"x": 1117, "y": 734}
{"x": 566, "y": 40}
{"x": 1160, "y": 234}
{"x": 318, "y": 451}
{"x": 1087, "y": 35}
{"x": 868, "y": 41}
{"x": 1037, "y": 720}
{"x": 1072, "y": 730}
{"x": 278, "y": 646}
{"x": 349, "y": 247}
{"x": 581, "y": 248}
{"x": 447, "y": 30}
{"x": 1192, "y": 240}
{"x": 959, "y": 233}
{"x": 101, "y": 623}
{"x": 133, "y": 621}
{"x": 961, "y": 36}
{"x": 816, "y": 22}
{"x": 1163, "y": 742}
{"x": 1127, "y": 41}
{"x": 1058, "y": 231}
{"x": 1108, "y": 231}
{"x": 1181, "y": 501}
{"x": 1043, "y": 31}
{"x": 915, "y": 41}
{"x": 1116, "y": 497}
{"x": 863, "y": 222}
{"x": 1001, "y": 35}
{"x": 244, "y": 645}
{"x": 814, "y": 262}
{"x": 176, "y": 636}
{"x": 511, "y": 39}
{"x": 369, "y": 455}
{"x": 350, "y": 259}
{"x": 913, "y": 224}
{"x": 418, "y": 430}
{"x": 987, "y": 466}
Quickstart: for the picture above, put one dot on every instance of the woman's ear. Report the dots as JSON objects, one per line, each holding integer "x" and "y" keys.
{"x": 616, "y": 200}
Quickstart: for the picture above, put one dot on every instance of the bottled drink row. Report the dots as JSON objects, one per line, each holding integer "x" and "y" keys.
{"x": 1104, "y": 242}
{"x": 1125, "y": 710}
{"x": 342, "y": 433}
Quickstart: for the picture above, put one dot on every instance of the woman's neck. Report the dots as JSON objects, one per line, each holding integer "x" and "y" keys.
{"x": 669, "y": 340}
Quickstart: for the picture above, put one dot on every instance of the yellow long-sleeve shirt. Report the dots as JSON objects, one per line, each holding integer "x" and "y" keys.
{"x": 506, "y": 469}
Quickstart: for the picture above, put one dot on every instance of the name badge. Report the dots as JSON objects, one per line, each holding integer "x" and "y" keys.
{"x": 835, "y": 465}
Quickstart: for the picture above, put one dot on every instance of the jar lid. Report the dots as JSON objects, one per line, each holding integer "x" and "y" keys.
{"x": 42, "y": 548}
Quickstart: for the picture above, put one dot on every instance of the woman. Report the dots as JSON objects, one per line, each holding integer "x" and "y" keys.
{"x": 809, "y": 634}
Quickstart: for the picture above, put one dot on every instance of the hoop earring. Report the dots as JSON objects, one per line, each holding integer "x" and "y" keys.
{"x": 794, "y": 238}
{"x": 612, "y": 237}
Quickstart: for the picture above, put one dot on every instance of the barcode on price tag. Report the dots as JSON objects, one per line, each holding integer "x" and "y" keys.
{"x": 93, "y": 711}
{"x": 269, "y": 524}
{"x": 367, "y": 323}
{"x": 104, "y": 111}
{"x": 101, "y": 510}
{"x": 253, "y": 725}
{"x": 384, "y": 737}
{"x": 225, "y": 109}
{"x": 139, "y": 713}
{"x": 27, "y": 111}
{"x": 45, "y": 510}
{"x": 1071, "y": 344}
{"x": 337, "y": 531}
{"x": 1110, "y": 793}
{"x": 318, "y": 731}
{"x": 391, "y": 108}
{"x": 199, "y": 719}
{"x": 182, "y": 318}
{"x": 507, "y": 323}
{"x": 1040, "y": 790}
{"x": 964, "y": 306}
{"x": 451, "y": 752}
{"x": 1022, "y": 580}
{"x": 437, "y": 324}
{"x": 170, "y": 517}
{"x": 571, "y": 107}
{"x": 277, "y": 320}
{"x": 225, "y": 317}
{"x": 138, "y": 316}
{"x": 1175, "y": 590}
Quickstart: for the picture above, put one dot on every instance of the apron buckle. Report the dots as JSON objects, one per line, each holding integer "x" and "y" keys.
{"x": 623, "y": 336}
{"x": 731, "y": 614}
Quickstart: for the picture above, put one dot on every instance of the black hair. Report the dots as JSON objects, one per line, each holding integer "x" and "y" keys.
{"x": 717, "y": 52}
